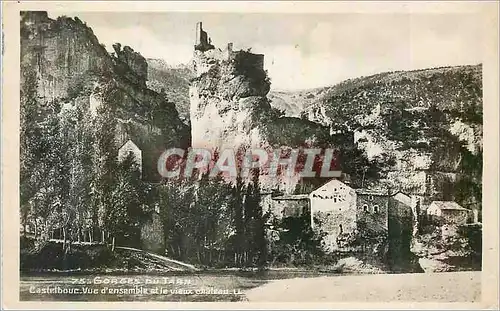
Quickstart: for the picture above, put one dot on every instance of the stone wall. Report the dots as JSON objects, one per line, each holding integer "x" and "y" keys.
{"x": 248, "y": 63}
{"x": 456, "y": 217}
{"x": 372, "y": 212}
{"x": 400, "y": 233}
{"x": 290, "y": 208}
{"x": 334, "y": 219}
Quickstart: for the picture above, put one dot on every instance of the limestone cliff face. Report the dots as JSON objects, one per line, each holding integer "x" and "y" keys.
{"x": 229, "y": 108}
{"x": 228, "y": 99}
{"x": 73, "y": 68}
{"x": 428, "y": 122}
{"x": 64, "y": 52}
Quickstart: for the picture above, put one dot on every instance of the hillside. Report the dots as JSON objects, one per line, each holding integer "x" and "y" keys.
{"x": 457, "y": 90}
{"x": 415, "y": 87}
{"x": 292, "y": 103}
{"x": 173, "y": 81}
{"x": 429, "y": 122}
{"x": 79, "y": 106}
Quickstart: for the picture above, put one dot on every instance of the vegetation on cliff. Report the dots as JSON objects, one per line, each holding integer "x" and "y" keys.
{"x": 78, "y": 106}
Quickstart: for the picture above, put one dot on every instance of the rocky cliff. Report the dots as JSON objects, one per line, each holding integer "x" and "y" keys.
{"x": 228, "y": 99}
{"x": 229, "y": 108}
{"x": 427, "y": 124}
{"x": 73, "y": 68}
{"x": 173, "y": 81}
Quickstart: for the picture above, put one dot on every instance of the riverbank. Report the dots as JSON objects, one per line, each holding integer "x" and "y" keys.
{"x": 417, "y": 287}
{"x": 96, "y": 259}
{"x": 205, "y": 287}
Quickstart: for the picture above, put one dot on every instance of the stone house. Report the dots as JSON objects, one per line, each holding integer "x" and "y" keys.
{"x": 290, "y": 205}
{"x": 448, "y": 211}
{"x": 130, "y": 147}
{"x": 341, "y": 211}
{"x": 333, "y": 211}
{"x": 372, "y": 209}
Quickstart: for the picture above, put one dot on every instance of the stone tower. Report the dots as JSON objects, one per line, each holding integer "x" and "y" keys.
{"x": 203, "y": 42}
{"x": 226, "y": 97}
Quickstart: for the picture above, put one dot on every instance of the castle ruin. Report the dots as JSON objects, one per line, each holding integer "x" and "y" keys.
{"x": 203, "y": 42}
{"x": 226, "y": 94}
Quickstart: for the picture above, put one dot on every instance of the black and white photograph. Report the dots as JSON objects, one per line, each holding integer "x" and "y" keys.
{"x": 206, "y": 156}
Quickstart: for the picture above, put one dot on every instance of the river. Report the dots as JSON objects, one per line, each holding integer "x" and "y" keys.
{"x": 201, "y": 287}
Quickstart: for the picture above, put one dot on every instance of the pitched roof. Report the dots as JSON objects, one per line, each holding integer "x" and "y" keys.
{"x": 448, "y": 205}
{"x": 129, "y": 142}
{"x": 332, "y": 184}
{"x": 292, "y": 197}
{"x": 372, "y": 192}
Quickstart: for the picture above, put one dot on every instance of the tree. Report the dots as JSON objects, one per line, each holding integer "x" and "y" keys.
{"x": 237, "y": 215}
{"x": 104, "y": 157}
{"x": 297, "y": 242}
{"x": 176, "y": 199}
{"x": 127, "y": 209}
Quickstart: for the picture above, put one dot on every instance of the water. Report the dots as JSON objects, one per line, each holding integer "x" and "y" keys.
{"x": 211, "y": 286}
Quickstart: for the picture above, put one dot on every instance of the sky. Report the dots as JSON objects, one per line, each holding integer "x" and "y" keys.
{"x": 301, "y": 50}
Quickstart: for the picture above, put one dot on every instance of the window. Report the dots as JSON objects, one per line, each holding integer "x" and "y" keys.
{"x": 376, "y": 209}
{"x": 371, "y": 198}
{"x": 365, "y": 208}
{"x": 334, "y": 200}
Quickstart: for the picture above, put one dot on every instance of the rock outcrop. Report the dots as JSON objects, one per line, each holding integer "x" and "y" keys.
{"x": 229, "y": 108}
{"x": 228, "y": 99}
{"x": 73, "y": 68}
{"x": 428, "y": 123}
{"x": 131, "y": 64}
{"x": 445, "y": 248}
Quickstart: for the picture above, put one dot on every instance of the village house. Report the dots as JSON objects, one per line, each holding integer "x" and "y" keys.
{"x": 333, "y": 211}
{"x": 450, "y": 212}
{"x": 130, "y": 147}
{"x": 341, "y": 211}
{"x": 293, "y": 205}
{"x": 372, "y": 209}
